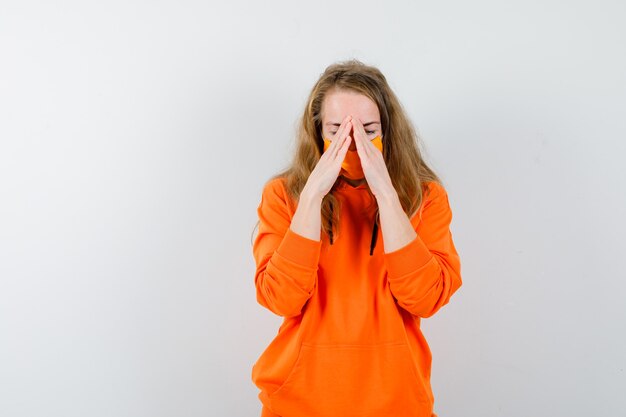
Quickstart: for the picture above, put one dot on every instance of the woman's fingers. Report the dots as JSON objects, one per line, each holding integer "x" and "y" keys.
{"x": 326, "y": 171}
{"x": 342, "y": 128}
{"x": 341, "y": 134}
{"x": 359, "y": 131}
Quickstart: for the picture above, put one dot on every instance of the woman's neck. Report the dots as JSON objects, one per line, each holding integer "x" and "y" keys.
{"x": 354, "y": 183}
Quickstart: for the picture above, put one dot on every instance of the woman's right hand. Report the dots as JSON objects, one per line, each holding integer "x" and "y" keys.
{"x": 327, "y": 169}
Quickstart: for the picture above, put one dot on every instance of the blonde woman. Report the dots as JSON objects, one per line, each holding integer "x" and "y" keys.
{"x": 354, "y": 248}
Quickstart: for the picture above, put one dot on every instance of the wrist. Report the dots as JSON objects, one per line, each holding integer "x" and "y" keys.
{"x": 309, "y": 197}
{"x": 388, "y": 198}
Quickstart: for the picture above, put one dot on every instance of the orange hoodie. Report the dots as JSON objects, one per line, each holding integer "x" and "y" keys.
{"x": 350, "y": 344}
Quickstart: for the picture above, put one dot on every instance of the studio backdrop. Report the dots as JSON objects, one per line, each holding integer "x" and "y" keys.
{"x": 136, "y": 137}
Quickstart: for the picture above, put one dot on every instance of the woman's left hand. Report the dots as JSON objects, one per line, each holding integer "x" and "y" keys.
{"x": 372, "y": 162}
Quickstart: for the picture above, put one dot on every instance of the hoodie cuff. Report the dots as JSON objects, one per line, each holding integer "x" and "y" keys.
{"x": 407, "y": 259}
{"x": 300, "y": 250}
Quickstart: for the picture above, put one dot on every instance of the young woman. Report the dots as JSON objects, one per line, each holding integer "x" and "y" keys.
{"x": 353, "y": 250}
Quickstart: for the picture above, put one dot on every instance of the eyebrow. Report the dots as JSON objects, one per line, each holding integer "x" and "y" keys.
{"x": 364, "y": 124}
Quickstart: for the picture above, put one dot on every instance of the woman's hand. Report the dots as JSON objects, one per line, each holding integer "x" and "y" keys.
{"x": 373, "y": 163}
{"x": 325, "y": 173}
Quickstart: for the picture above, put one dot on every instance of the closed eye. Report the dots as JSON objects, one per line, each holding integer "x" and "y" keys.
{"x": 369, "y": 132}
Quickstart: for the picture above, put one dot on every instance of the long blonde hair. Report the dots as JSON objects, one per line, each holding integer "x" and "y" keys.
{"x": 403, "y": 158}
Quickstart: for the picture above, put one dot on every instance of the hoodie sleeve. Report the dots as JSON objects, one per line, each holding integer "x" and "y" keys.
{"x": 424, "y": 273}
{"x": 286, "y": 262}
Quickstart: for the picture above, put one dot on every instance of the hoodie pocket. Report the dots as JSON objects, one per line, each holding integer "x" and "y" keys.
{"x": 352, "y": 380}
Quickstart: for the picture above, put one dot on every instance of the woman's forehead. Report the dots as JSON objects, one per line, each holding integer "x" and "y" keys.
{"x": 337, "y": 105}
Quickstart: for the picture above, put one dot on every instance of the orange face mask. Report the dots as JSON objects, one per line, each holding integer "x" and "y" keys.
{"x": 351, "y": 165}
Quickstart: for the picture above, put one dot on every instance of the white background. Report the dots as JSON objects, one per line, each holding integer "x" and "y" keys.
{"x": 135, "y": 140}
